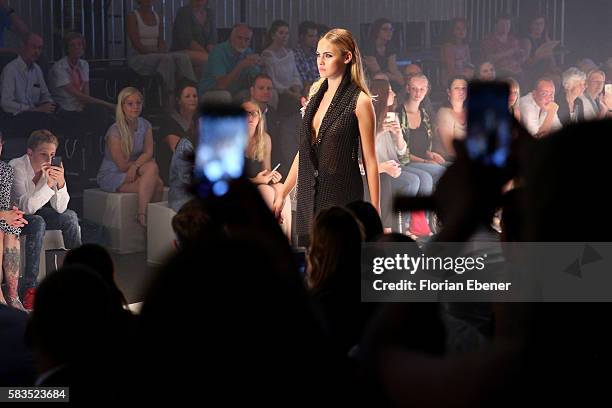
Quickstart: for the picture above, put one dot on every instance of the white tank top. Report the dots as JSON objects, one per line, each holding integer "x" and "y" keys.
{"x": 149, "y": 35}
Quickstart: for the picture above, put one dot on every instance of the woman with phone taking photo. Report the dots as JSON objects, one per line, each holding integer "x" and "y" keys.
{"x": 258, "y": 164}
{"x": 338, "y": 127}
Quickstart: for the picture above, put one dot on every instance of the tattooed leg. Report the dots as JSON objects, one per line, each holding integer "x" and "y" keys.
{"x": 10, "y": 264}
{"x": 2, "y": 300}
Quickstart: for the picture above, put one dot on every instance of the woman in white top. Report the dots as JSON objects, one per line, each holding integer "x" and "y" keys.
{"x": 451, "y": 119}
{"x": 280, "y": 65}
{"x": 148, "y": 53}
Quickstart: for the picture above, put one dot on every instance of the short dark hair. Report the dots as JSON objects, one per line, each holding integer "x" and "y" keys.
{"x": 305, "y": 26}
{"x": 73, "y": 35}
{"x": 190, "y": 222}
{"x": 263, "y": 75}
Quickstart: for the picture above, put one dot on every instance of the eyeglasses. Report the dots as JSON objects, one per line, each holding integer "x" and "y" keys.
{"x": 252, "y": 114}
{"x": 391, "y": 29}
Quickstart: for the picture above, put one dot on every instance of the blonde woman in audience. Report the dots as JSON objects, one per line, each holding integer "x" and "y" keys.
{"x": 515, "y": 94}
{"x": 451, "y": 119}
{"x": 258, "y": 163}
{"x": 128, "y": 165}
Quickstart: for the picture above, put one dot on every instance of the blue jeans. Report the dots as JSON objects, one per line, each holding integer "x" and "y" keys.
{"x": 425, "y": 180}
{"x": 435, "y": 170}
{"x": 46, "y": 219}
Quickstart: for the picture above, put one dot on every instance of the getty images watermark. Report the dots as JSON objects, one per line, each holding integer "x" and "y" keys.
{"x": 487, "y": 272}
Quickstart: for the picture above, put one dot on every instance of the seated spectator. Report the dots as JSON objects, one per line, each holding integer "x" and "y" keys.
{"x": 181, "y": 123}
{"x": 279, "y": 63}
{"x": 391, "y": 153}
{"x": 333, "y": 276}
{"x": 513, "y": 98}
{"x": 190, "y": 223}
{"x": 99, "y": 260}
{"x": 536, "y": 43}
{"x": 410, "y": 70}
{"x": 586, "y": 65}
{"x": 25, "y": 97}
{"x": 231, "y": 67}
{"x": 306, "y": 52}
{"x": 503, "y": 49}
{"x": 40, "y": 190}
{"x": 455, "y": 51}
{"x": 539, "y": 110}
{"x": 258, "y": 164}
{"x": 451, "y": 122}
{"x": 419, "y": 133}
{"x": 281, "y": 128}
{"x": 182, "y": 161}
{"x": 69, "y": 84}
{"x": 608, "y": 70}
{"x": 11, "y": 222}
{"x": 11, "y": 21}
{"x": 379, "y": 54}
{"x": 262, "y": 92}
{"x": 322, "y": 29}
{"x": 147, "y": 50}
{"x": 128, "y": 165}
{"x": 195, "y": 32}
{"x": 595, "y": 106}
{"x": 571, "y": 107}
{"x": 485, "y": 71}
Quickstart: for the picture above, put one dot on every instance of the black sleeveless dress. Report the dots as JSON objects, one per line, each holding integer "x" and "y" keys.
{"x": 328, "y": 166}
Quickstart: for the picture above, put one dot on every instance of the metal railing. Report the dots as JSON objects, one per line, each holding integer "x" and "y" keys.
{"x": 103, "y": 21}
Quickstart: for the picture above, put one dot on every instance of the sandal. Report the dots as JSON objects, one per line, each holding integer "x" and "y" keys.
{"x": 16, "y": 303}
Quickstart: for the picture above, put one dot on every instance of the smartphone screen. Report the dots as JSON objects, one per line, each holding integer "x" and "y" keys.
{"x": 489, "y": 123}
{"x": 56, "y": 161}
{"x": 219, "y": 155}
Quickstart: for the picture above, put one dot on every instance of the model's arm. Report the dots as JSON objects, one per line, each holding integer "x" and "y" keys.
{"x": 367, "y": 131}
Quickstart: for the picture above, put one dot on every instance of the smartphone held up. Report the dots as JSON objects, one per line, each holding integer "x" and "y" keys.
{"x": 489, "y": 122}
{"x": 219, "y": 154}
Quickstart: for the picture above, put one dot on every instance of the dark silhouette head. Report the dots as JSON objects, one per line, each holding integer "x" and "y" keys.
{"x": 368, "y": 216}
{"x": 99, "y": 260}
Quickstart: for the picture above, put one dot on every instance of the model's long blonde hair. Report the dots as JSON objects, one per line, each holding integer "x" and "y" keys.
{"x": 257, "y": 149}
{"x": 125, "y": 133}
{"x": 345, "y": 42}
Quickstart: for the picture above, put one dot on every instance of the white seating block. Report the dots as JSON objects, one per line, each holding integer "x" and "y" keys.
{"x": 160, "y": 236}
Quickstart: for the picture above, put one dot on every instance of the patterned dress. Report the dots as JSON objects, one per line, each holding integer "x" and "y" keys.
{"x": 329, "y": 172}
{"x": 7, "y": 176}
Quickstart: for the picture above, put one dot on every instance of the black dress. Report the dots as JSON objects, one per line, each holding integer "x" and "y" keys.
{"x": 328, "y": 167}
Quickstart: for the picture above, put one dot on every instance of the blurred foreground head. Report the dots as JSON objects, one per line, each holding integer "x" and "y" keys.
{"x": 566, "y": 197}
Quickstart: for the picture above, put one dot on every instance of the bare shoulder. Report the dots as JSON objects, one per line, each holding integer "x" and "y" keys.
{"x": 364, "y": 103}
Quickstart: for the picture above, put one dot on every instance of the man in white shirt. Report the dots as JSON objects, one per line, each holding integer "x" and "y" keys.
{"x": 25, "y": 98}
{"x": 39, "y": 190}
{"x": 539, "y": 110}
